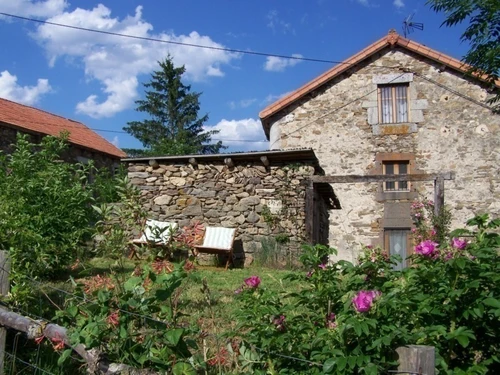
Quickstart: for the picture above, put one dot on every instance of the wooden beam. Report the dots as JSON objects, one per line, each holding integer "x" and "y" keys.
{"x": 229, "y": 162}
{"x": 382, "y": 177}
{"x": 309, "y": 212}
{"x": 438, "y": 195}
{"x": 264, "y": 161}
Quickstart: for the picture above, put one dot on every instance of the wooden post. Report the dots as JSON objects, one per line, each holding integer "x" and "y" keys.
{"x": 416, "y": 360}
{"x": 4, "y": 291}
{"x": 438, "y": 195}
{"x": 309, "y": 212}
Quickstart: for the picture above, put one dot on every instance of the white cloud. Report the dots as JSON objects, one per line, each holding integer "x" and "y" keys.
{"x": 244, "y": 103}
{"x": 10, "y": 89}
{"x": 29, "y": 8}
{"x": 116, "y": 62}
{"x": 115, "y": 142}
{"x": 398, "y": 3}
{"x": 242, "y": 135}
{"x": 274, "y": 22}
{"x": 272, "y": 98}
{"x": 365, "y": 3}
{"x": 279, "y": 64}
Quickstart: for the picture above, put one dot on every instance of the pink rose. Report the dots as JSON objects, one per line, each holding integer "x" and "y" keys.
{"x": 458, "y": 244}
{"x": 364, "y": 300}
{"x": 252, "y": 281}
{"x": 426, "y": 248}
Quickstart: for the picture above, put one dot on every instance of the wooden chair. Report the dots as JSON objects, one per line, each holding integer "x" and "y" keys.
{"x": 156, "y": 233}
{"x": 217, "y": 240}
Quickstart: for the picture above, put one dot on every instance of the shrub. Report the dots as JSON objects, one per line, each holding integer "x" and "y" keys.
{"x": 349, "y": 319}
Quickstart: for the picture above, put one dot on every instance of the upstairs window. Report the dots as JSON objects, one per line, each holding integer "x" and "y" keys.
{"x": 393, "y": 103}
{"x": 396, "y": 167}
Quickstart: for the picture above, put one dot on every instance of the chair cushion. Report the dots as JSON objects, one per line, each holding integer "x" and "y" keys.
{"x": 219, "y": 238}
{"x": 157, "y": 231}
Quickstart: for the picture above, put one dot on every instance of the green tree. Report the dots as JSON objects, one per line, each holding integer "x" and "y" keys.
{"x": 174, "y": 127}
{"x": 483, "y": 34}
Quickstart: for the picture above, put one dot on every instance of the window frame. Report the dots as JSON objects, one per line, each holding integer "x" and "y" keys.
{"x": 394, "y": 103}
{"x": 397, "y": 185}
{"x": 409, "y": 249}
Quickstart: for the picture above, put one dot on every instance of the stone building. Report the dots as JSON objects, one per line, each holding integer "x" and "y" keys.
{"x": 84, "y": 143}
{"x": 396, "y": 107}
{"x": 262, "y": 194}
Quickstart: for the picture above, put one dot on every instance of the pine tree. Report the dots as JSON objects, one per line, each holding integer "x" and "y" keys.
{"x": 174, "y": 127}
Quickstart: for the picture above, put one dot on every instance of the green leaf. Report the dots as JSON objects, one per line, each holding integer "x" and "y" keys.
{"x": 72, "y": 311}
{"x": 183, "y": 368}
{"x": 131, "y": 283}
{"x": 463, "y": 340}
{"x": 492, "y": 302}
{"x": 174, "y": 336}
{"x": 65, "y": 355}
{"x": 328, "y": 365}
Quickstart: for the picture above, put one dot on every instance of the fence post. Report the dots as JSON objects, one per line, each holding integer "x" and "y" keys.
{"x": 4, "y": 290}
{"x": 416, "y": 360}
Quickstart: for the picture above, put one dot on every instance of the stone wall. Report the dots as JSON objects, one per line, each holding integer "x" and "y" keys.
{"x": 238, "y": 197}
{"x": 448, "y": 133}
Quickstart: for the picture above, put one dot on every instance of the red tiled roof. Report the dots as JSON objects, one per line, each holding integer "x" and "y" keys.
{"x": 392, "y": 39}
{"x": 36, "y": 120}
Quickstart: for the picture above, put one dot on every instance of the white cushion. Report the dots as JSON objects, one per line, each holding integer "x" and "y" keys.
{"x": 219, "y": 238}
{"x": 157, "y": 231}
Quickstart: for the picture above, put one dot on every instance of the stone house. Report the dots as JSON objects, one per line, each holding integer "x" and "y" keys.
{"x": 396, "y": 107}
{"x": 84, "y": 143}
{"x": 263, "y": 194}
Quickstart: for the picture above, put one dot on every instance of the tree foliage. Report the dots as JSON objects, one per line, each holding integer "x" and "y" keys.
{"x": 174, "y": 127}
{"x": 483, "y": 33}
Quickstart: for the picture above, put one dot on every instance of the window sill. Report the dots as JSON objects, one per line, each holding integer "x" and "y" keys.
{"x": 396, "y": 128}
{"x": 396, "y": 196}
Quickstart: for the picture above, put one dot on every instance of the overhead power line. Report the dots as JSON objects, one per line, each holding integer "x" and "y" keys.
{"x": 148, "y": 39}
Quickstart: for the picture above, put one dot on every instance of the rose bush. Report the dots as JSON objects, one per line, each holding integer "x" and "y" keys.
{"x": 349, "y": 319}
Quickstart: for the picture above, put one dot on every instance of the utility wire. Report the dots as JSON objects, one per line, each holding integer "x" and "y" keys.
{"x": 27, "y": 363}
{"x": 233, "y": 50}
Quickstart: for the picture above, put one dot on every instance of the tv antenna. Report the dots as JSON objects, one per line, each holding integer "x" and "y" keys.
{"x": 409, "y": 26}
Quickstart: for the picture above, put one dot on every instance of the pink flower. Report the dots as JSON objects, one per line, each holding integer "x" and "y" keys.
{"x": 238, "y": 291}
{"x": 252, "y": 281}
{"x": 322, "y": 266}
{"x": 309, "y": 274}
{"x": 364, "y": 300}
{"x": 433, "y": 232}
{"x": 458, "y": 243}
{"x": 426, "y": 248}
{"x": 280, "y": 323}
{"x": 330, "y": 321}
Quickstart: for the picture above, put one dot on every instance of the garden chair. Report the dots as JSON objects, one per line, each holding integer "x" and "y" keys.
{"x": 217, "y": 240}
{"x": 156, "y": 233}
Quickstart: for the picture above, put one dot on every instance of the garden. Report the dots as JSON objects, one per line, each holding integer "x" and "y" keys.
{"x": 67, "y": 236}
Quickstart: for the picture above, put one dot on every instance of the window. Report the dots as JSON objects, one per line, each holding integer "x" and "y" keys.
{"x": 393, "y": 103}
{"x": 396, "y": 167}
{"x": 397, "y": 242}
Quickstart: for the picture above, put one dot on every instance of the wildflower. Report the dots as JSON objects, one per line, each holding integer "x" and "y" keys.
{"x": 426, "y": 248}
{"x": 458, "y": 243}
{"x": 330, "y": 321}
{"x": 238, "y": 291}
{"x": 220, "y": 358}
{"x": 113, "y": 319}
{"x": 160, "y": 266}
{"x": 309, "y": 274}
{"x": 448, "y": 256}
{"x": 189, "y": 266}
{"x": 433, "y": 232}
{"x": 322, "y": 266}
{"x": 39, "y": 339}
{"x": 57, "y": 342}
{"x": 369, "y": 247}
{"x": 252, "y": 281}
{"x": 364, "y": 300}
{"x": 280, "y": 323}
{"x": 96, "y": 283}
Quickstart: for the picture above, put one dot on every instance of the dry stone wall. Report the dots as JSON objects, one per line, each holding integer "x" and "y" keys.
{"x": 238, "y": 197}
{"x": 449, "y": 133}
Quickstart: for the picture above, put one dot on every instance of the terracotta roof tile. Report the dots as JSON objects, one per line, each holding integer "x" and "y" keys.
{"x": 36, "y": 120}
{"x": 392, "y": 39}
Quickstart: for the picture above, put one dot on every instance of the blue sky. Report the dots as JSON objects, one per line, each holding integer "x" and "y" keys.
{"x": 95, "y": 78}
